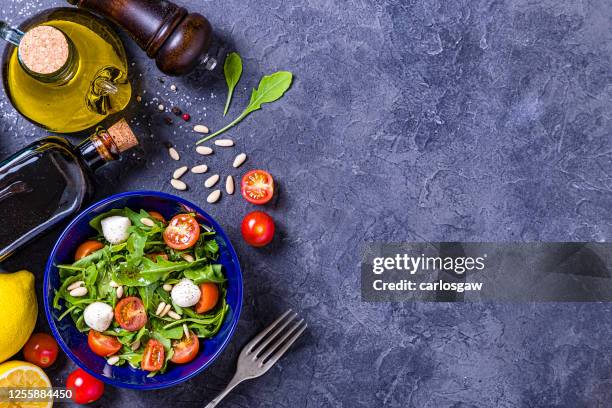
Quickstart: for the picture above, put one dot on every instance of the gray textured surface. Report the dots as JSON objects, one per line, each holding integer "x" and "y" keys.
{"x": 408, "y": 120}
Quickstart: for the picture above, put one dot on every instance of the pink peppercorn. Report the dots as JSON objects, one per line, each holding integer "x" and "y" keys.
{"x": 186, "y": 117}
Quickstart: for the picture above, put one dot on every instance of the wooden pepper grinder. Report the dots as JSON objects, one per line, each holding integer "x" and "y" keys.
{"x": 178, "y": 40}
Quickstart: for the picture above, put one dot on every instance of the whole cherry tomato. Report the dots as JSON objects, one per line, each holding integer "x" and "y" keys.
{"x": 84, "y": 387}
{"x": 41, "y": 349}
{"x": 258, "y": 228}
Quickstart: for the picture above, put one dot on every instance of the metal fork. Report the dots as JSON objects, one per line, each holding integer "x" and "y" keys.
{"x": 261, "y": 353}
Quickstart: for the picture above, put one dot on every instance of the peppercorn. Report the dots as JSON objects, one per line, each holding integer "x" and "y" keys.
{"x": 168, "y": 120}
{"x": 176, "y": 110}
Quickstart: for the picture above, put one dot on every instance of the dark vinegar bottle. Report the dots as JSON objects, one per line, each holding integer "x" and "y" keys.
{"x": 50, "y": 179}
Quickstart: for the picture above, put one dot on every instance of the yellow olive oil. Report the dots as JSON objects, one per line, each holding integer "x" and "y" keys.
{"x": 92, "y": 85}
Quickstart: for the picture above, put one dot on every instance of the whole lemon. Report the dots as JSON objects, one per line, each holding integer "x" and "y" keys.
{"x": 18, "y": 311}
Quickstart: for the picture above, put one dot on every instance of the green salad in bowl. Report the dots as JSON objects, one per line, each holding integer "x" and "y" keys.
{"x": 144, "y": 289}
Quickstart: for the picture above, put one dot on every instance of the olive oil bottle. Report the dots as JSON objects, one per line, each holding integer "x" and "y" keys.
{"x": 66, "y": 70}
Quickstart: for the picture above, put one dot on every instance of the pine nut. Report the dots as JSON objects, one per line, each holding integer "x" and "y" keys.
{"x": 187, "y": 257}
{"x": 112, "y": 360}
{"x": 201, "y": 129}
{"x": 178, "y": 173}
{"x": 165, "y": 311}
{"x": 119, "y": 292}
{"x": 160, "y": 308}
{"x": 204, "y": 150}
{"x": 172, "y": 314}
{"x": 178, "y": 184}
{"x": 135, "y": 345}
{"x": 75, "y": 285}
{"x": 202, "y": 168}
{"x": 174, "y": 154}
{"x": 213, "y": 197}
{"x": 161, "y": 107}
{"x": 229, "y": 185}
{"x": 186, "y": 330}
{"x": 147, "y": 222}
{"x": 113, "y": 284}
{"x": 239, "y": 160}
{"x": 211, "y": 181}
{"x": 78, "y": 292}
{"x": 224, "y": 142}
{"x": 167, "y": 287}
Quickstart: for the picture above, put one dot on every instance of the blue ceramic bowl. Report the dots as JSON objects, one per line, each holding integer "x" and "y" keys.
{"x": 74, "y": 343}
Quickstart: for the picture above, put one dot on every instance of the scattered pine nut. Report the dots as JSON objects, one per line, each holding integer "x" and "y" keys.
{"x": 173, "y": 87}
{"x": 119, "y": 292}
{"x": 135, "y": 345}
{"x": 239, "y": 160}
{"x": 187, "y": 257}
{"x": 113, "y": 284}
{"x": 147, "y": 222}
{"x": 186, "y": 330}
{"x": 204, "y": 150}
{"x": 214, "y": 197}
{"x": 139, "y": 98}
{"x": 200, "y": 129}
{"x": 202, "y": 168}
{"x": 161, "y": 107}
{"x": 178, "y": 173}
{"x": 229, "y": 185}
{"x": 224, "y": 142}
{"x": 166, "y": 310}
{"x": 160, "y": 308}
{"x": 211, "y": 181}
{"x": 112, "y": 360}
{"x": 78, "y": 292}
{"x": 174, "y": 154}
{"x": 172, "y": 314}
{"x": 178, "y": 184}
{"x": 167, "y": 287}
{"x": 75, "y": 285}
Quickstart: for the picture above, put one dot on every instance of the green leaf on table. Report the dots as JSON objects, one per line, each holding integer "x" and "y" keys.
{"x": 233, "y": 71}
{"x": 271, "y": 88}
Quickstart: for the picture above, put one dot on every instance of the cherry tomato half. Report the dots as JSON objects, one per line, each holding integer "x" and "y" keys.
{"x": 84, "y": 387}
{"x": 102, "y": 344}
{"x": 87, "y": 248}
{"x": 209, "y": 296}
{"x": 153, "y": 357}
{"x": 258, "y": 228}
{"x": 157, "y": 216}
{"x": 185, "y": 349}
{"x": 182, "y": 232}
{"x": 257, "y": 187}
{"x": 130, "y": 313}
{"x": 41, "y": 349}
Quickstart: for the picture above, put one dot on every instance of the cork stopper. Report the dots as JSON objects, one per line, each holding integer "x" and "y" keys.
{"x": 44, "y": 50}
{"x": 122, "y": 135}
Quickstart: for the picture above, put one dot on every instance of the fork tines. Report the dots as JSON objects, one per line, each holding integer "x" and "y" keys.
{"x": 270, "y": 345}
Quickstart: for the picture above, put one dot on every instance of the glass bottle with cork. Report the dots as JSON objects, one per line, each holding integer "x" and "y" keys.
{"x": 66, "y": 70}
{"x": 49, "y": 180}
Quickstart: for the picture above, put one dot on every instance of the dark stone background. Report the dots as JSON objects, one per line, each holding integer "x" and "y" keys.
{"x": 408, "y": 120}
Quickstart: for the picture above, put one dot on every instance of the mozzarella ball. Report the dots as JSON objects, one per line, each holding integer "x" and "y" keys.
{"x": 115, "y": 229}
{"x": 98, "y": 316}
{"x": 185, "y": 293}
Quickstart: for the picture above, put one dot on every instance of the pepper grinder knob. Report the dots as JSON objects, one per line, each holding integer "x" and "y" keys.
{"x": 177, "y": 40}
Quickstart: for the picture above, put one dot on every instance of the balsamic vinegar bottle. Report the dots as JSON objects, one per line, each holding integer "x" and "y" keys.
{"x": 50, "y": 179}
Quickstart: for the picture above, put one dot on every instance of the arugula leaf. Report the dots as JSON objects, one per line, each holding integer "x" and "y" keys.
{"x": 205, "y": 273}
{"x": 233, "y": 71}
{"x": 271, "y": 88}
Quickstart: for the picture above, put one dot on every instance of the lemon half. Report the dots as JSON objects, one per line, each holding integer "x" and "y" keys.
{"x": 18, "y": 375}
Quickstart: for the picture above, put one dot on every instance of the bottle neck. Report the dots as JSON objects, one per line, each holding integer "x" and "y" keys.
{"x": 62, "y": 75}
{"x": 98, "y": 150}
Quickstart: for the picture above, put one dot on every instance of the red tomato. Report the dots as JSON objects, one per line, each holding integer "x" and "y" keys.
{"x": 102, "y": 344}
{"x": 84, "y": 387}
{"x": 185, "y": 349}
{"x": 182, "y": 232}
{"x": 87, "y": 248}
{"x": 40, "y": 349}
{"x": 157, "y": 216}
{"x": 130, "y": 313}
{"x": 209, "y": 296}
{"x": 258, "y": 228}
{"x": 153, "y": 256}
{"x": 257, "y": 187}
{"x": 153, "y": 357}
